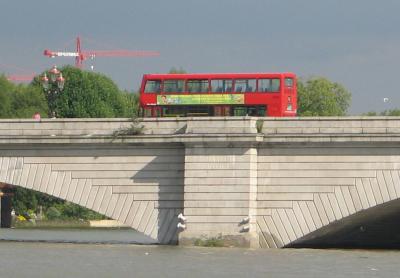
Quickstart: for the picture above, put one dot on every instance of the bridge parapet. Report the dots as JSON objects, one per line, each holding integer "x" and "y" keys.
{"x": 106, "y": 127}
{"x": 332, "y": 125}
{"x": 204, "y": 125}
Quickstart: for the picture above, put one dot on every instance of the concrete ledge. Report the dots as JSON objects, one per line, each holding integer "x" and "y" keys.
{"x": 107, "y": 224}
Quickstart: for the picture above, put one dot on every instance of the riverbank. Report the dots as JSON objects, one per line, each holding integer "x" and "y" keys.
{"x": 76, "y": 235}
{"x": 70, "y": 224}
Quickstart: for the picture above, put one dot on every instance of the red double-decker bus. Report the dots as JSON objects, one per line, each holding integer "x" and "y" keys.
{"x": 219, "y": 94}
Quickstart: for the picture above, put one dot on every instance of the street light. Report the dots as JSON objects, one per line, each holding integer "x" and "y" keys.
{"x": 52, "y": 87}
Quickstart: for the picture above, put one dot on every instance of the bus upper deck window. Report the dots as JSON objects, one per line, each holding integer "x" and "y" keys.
{"x": 152, "y": 86}
{"x": 197, "y": 86}
{"x": 269, "y": 85}
{"x": 173, "y": 86}
{"x": 245, "y": 85}
{"x": 221, "y": 85}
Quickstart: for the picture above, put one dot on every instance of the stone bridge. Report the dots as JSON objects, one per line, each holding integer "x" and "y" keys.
{"x": 261, "y": 182}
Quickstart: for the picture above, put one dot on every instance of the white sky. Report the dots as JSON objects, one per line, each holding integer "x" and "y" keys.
{"x": 353, "y": 42}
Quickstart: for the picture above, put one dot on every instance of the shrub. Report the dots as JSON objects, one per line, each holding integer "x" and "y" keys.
{"x": 53, "y": 213}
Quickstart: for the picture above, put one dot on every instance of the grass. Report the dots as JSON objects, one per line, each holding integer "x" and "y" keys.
{"x": 134, "y": 129}
{"x": 53, "y": 224}
{"x": 210, "y": 242}
{"x": 259, "y": 125}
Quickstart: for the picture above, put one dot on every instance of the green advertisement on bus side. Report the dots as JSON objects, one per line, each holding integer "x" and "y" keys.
{"x": 200, "y": 99}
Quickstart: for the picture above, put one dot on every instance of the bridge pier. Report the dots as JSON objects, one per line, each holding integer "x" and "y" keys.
{"x": 220, "y": 191}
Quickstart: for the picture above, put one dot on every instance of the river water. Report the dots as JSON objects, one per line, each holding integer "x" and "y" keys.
{"x": 90, "y": 258}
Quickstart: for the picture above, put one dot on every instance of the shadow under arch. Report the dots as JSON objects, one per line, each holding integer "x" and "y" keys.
{"x": 164, "y": 198}
{"x": 376, "y": 228}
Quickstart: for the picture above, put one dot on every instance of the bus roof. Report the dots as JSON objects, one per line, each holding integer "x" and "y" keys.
{"x": 217, "y": 75}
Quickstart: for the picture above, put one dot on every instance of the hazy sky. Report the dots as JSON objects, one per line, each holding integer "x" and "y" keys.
{"x": 353, "y": 42}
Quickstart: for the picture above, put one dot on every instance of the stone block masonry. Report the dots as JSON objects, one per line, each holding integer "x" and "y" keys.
{"x": 268, "y": 187}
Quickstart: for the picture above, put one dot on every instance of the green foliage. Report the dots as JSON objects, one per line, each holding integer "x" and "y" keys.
{"x": 70, "y": 210}
{"x": 27, "y": 101}
{"x": 20, "y": 101}
{"x": 175, "y": 70}
{"x": 259, "y": 125}
{"x": 131, "y": 101}
{"x": 25, "y": 200}
{"x": 216, "y": 241}
{"x": 321, "y": 97}
{"x": 392, "y": 112}
{"x": 53, "y": 213}
{"x": 371, "y": 113}
{"x": 134, "y": 129}
{"x": 91, "y": 95}
{"x": 5, "y": 97}
{"x": 53, "y": 224}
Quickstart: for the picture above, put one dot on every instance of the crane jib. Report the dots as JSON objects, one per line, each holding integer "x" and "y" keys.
{"x": 65, "y": 54}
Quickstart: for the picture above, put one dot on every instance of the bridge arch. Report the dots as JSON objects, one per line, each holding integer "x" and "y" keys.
{"x": 316, "y": 190}
{"x": 132, "y": 185}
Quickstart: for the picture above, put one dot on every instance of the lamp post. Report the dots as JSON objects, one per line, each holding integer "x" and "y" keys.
{"x": 52, "y": 86}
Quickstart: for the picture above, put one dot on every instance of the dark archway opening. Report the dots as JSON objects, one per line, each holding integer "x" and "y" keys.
{"x": 6, "y": 193}
{"x": 374, "y": 228}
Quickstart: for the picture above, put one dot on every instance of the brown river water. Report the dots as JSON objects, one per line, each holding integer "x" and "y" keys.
{"x": 112, "y": 253}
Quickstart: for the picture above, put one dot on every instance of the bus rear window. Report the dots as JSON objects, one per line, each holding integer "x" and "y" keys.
{"x": 288, "y": 82}
{"x": 152, "y": 86}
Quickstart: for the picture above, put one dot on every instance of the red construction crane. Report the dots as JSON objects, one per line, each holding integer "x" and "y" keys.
{"x": 20, "y": 77}
{"x": 81, "y": 56}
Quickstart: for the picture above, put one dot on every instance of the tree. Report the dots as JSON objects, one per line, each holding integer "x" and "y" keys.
{"x": 321, "y": 97}
{"x": 26, "y": 100}
{"x": 6, "y": 88}
{"x": 391, "y": 112}
{"x": 20, "y": 101}
{"x": 25, "y": 200}
{"x": 371, "y": 113}
{"x": 131, "y": 100}
{"x": 91, "y": 95}
{"x": 175, "y": 70}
